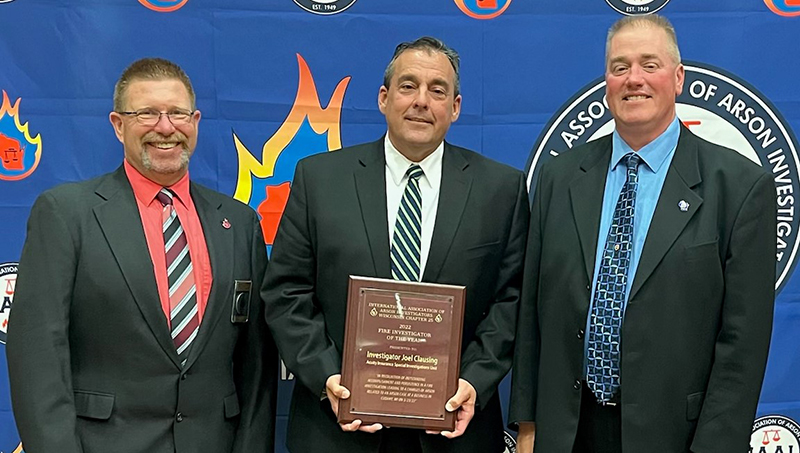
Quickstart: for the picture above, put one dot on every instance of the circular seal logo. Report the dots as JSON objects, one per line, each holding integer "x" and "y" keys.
{"x": 163, "y": 6}
{"x": 8, "y": 279}
{"x": 510, "y": 443}
{"x": 482, "y": 9}
{"x": 636, "y": 7}
{"x": 325, "y": 7}
{"x": 716, "y": 106}
{"x": 775, "y": 434}
{"x": 787, "y": 8}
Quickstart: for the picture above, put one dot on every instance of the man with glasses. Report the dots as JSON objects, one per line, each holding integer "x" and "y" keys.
{"x": 134, "y": 329}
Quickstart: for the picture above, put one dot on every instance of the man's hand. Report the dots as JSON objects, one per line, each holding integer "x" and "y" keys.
{"x": 525, "y": 437}
{"x": 337, "y": 392}
{"x": 464, "y": 402}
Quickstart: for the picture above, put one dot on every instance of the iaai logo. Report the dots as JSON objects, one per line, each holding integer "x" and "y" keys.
{"x": 775, "y": 434}
{"x": 716, "y": 106}
{"x": 482, "y": 9}
{"x": 8, "y": 280}
{"x": 510, "y": 443}
{"x": 163, "y": 6}
{"x": 325, "y": 7}
{"x": 636, "y": 7}
{"x": 788, "y": 8}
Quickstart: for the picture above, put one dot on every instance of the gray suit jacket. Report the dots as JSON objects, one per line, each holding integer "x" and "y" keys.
{"x": 335, "y": 225}
{"x": 91, "y": 362}
{"x": 697, "y": 325}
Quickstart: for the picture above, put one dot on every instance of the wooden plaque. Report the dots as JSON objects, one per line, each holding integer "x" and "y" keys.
{"x": 402, "y": 352}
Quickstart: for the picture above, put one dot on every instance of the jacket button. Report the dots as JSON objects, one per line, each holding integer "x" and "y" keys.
{"x": 577, "y": 385}
{"x": 580, "y": 334}
{"x": 588, "y": 287}
{"x": 179, "y": 417}
{"x": 183, "y": 377}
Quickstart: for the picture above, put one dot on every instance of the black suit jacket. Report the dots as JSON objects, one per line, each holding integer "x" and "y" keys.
{"x": 335, "y": 225}
{"x": 697, "y": 325}
{"x": 91, "y": 362}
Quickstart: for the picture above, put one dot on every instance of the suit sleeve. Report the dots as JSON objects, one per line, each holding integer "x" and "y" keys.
{"x": 38, "y": 334}
{"x": 487, "y": 358}
{"x": 525, "y": 371}
{"x": 740, "y": 353}
{"x": 292, "y": 313}
{"x": 256, "y": 365}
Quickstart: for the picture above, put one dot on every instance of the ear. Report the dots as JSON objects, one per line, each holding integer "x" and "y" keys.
{"x": 196, "y": 117}
{"x": 456, "y": 108}
{"x": 118, "y": 124}
{"x": 383, "y": 95}
{"x": 680, "y": 74}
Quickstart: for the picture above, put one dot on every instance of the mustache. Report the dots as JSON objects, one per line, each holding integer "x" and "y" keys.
{"x": 174, "y": 137}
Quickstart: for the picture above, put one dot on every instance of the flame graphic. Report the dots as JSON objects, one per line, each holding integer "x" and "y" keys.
{"x": 309, "y": 128}
{"x": 12, "y": 111}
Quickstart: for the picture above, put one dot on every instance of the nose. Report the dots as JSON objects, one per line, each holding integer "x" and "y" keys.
{"x": 421, "y": 99}
{"x": 635, "y": 76}
{"x": 164, "y": 125}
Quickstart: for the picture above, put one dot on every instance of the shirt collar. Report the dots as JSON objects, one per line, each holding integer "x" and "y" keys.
{"x": 398, "y": 164}
{"x": 146, "y": 190}
{"x": 653, "y": 154}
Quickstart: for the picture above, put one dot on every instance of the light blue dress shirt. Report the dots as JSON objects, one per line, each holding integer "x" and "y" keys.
{"x": 655, "y": 157}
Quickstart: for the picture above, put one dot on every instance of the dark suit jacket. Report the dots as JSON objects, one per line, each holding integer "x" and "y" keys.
{"x": 697, "y": 325}
{"x": 335, "y": 225}
{"x": 91, "y": 363}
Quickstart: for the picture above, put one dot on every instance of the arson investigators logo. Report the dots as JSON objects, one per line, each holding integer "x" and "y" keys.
{"x": 786, "y": 8}
{"x": 163, "y": 6}
{"x": 8, "y": 280}
{"x": 19, "y": 152}
{"x": 636, "y": 7}
{"x": 325, "y": 7}
{"x": 482, "y": 9}
{"x": 775, "y": 434}
{"x": 716, "y": 106}
{"x": 510, "y": 443}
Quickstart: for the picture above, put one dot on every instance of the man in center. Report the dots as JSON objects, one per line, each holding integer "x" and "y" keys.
{"x": 343, "y": 218}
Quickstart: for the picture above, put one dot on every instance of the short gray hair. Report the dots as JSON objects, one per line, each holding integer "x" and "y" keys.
{"x": 649, "y": 20}
{"x": 430, "y": 45}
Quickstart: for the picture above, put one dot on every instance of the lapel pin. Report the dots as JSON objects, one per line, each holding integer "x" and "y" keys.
{"x": 683, "y": 205}
{"x": 226, "y": 224}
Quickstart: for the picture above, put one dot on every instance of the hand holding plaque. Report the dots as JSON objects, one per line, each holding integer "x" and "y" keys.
{"x": 401, "y": 353}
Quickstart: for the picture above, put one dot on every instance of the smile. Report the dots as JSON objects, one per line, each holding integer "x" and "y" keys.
{"x": 164, "y": 145}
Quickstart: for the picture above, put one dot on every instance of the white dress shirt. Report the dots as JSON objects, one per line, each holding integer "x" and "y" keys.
{"x": 429, "y": 184}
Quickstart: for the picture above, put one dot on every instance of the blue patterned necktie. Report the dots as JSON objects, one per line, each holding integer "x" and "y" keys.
{"x": 609, "y": 293}
{"x": 407, "y": 237}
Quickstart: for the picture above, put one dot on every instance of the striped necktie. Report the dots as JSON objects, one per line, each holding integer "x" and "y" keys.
{"x": 184, "y": 320}
{"x": 612, "y": 283}
{"x": 407, "y": 237}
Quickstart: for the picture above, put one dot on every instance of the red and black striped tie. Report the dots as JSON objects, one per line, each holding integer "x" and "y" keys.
{"x": 184, "y": 320}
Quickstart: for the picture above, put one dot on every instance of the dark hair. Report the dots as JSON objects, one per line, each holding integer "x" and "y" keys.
{"x": 431, "y": 45}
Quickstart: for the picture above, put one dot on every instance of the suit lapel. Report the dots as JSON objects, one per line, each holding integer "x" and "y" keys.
{"x": 586, "y": 194}
{"x": 219, "y": 242}
{"x": 370, "y": 180}
{"x": 129, "y": 247}
{"x": 669, "y": 220}
{"x": 453, "y": 195}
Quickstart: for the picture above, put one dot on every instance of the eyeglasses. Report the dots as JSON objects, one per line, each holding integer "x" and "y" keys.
{"x": 151, "y": 117}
